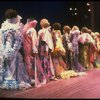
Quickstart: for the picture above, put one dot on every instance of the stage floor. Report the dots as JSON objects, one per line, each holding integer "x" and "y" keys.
{"x": 78, "y": 87}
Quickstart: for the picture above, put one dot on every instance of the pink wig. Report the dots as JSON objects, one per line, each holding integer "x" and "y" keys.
{"x": 30, "y": 25}
{"x": 33, "y": 23}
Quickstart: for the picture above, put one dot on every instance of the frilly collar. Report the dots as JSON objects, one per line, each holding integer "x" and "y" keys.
{"x": 7, "y": 25}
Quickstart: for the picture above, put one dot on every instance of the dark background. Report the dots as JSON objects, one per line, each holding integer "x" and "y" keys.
{"x": 54, "y": 11}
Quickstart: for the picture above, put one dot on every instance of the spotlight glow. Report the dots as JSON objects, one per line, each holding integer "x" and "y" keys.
{"x": 75, "y": 8}
{"x": 70, "y": 8}
{"x": 75, "y": 13}
{"x": 88, "y": 4}
{"x": 89, "y": 10}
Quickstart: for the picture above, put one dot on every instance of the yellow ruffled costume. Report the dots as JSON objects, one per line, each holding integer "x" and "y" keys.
{"x": 59, "y": 49}
{"x": 71, "y": 73}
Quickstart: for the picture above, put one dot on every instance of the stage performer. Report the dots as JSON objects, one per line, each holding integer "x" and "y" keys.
{"x": 30, "y": 45}
{"x": 15, "y": 75}
{"x": 45, "y": 70}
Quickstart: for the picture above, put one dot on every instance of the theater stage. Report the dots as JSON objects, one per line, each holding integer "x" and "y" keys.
{"x": 78, "y": 87}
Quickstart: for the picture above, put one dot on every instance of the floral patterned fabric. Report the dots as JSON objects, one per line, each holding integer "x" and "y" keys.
{"x": 44, "y": 68}
{"x": 74, "y": 39}
{"x": 13, "y": 70}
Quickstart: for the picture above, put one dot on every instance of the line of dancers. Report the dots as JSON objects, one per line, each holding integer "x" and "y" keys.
{"x": 29, "y": 57}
